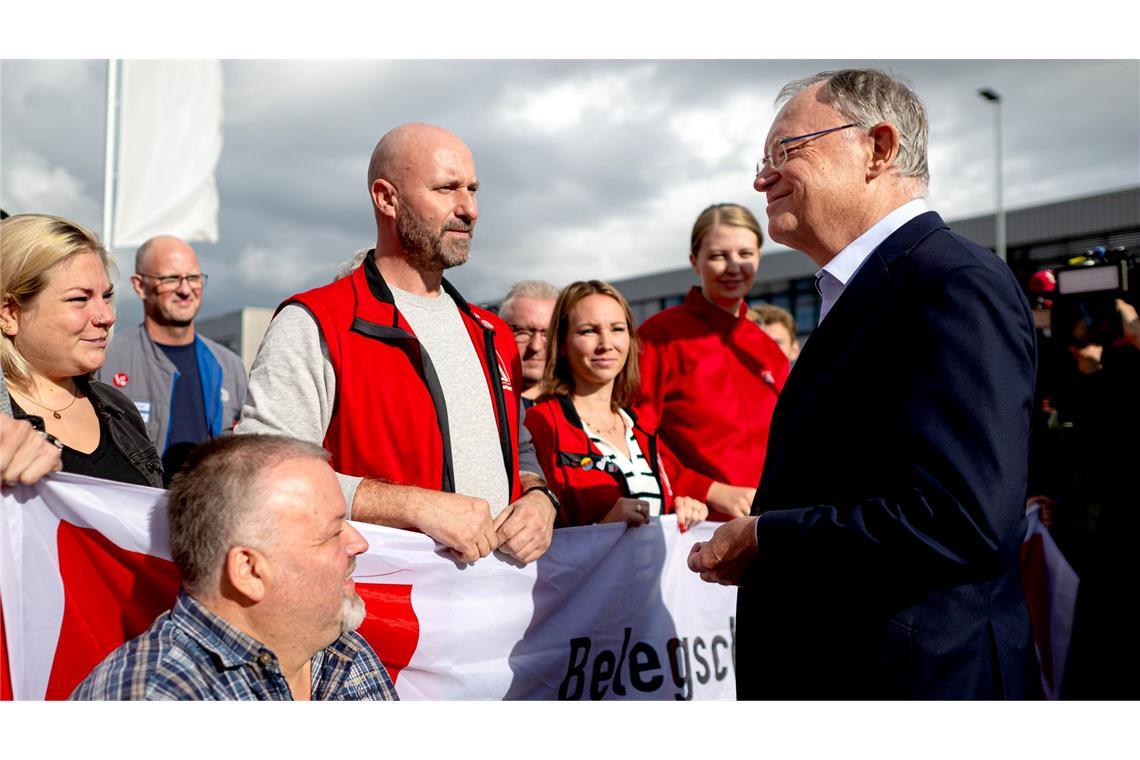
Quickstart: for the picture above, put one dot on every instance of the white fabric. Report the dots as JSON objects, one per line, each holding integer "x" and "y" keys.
{"x": 490, "y": 630}
{"x": 170, "y": 137}
{"x": 832, "y": 279}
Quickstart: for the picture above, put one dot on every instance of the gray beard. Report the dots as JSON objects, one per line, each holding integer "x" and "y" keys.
{"x": 352, "y": 614}
{"x": 425, "y": 250}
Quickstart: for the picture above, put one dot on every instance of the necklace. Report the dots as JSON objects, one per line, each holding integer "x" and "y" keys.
{"x": 606, "y": 431}
{"x": 55, "y": 412}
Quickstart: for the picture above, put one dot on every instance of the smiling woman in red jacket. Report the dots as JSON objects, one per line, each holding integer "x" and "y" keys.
{"x": 602, "y": 465}
{"x": 709, "y": 376}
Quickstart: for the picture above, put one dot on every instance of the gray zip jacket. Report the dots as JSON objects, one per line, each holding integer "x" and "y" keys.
{"x": 137, "y": 367}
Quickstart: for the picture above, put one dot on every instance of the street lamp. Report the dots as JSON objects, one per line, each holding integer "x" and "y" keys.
{"x": 995, "y": 98}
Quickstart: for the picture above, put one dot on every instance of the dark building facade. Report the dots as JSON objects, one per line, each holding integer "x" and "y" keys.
{"x": 1037, "y": 237}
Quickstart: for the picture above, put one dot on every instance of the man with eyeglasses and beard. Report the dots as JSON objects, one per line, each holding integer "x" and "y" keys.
{"x": 187, "y": 387}
{"x": 268, "y": 608}
{"x": 413, "y": 389}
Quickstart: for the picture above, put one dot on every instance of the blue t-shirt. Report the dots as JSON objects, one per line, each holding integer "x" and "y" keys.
{"x": 188, "y": 424}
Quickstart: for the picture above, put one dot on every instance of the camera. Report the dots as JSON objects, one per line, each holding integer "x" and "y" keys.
{"x": 1087, "y": 288}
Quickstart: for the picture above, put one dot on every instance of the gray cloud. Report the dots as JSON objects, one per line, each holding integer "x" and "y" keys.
{"x": 588, "y": 168}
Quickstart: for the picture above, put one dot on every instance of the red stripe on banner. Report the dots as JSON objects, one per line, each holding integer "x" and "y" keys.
{"x": 111, "y": 595}
{"x": 5, "y": 675}
{"x": 1035, "y": 585}
{"x": 390, "y": 625}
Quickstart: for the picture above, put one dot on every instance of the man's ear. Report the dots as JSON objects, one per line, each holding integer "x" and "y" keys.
{"x": 384, "y": 197}
{"x": 885, "y": 143}
{"x": 137, "y": 284}
{"x": 246, "y": 569}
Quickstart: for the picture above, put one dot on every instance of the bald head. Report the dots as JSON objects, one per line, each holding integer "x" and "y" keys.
{"x": 402, "y": 149}
{"x": 169, "y": 310}
{"x": 154, "y": 252}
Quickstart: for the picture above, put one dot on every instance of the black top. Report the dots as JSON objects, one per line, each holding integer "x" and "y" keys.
{"x": 106, "y": 461}
{"x": 120, "y": 428}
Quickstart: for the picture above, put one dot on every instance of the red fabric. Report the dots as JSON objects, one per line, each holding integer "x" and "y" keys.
{"x": 111, "y": 595}
{"x": 390, "y": 625}
{"x": 385, "y": 424}
{"x": 5, "y": 675}
{"x": 705, "y": 388}
{"x": 586, "y": 495}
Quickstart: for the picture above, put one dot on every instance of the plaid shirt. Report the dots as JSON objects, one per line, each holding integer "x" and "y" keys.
{"x": 191, "y": 653}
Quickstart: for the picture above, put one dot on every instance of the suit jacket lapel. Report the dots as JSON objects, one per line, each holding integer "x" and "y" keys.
{"x": 830, "y": 339}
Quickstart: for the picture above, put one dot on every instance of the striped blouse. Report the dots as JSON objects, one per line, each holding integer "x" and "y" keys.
{"x": 638, "y": 474}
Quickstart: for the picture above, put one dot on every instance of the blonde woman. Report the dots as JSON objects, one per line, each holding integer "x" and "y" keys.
{"x": 709, "y": 376}
{"x": 56, "y": 314}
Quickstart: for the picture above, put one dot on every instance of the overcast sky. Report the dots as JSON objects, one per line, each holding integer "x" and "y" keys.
{"x": 587, "y": 168}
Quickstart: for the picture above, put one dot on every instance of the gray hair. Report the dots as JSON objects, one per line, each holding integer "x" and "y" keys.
{"x": 351, "y": 265}
{"x": 213, "y": 501}
{"x": 537, "y": 289}
{"x": 870, "y": 96}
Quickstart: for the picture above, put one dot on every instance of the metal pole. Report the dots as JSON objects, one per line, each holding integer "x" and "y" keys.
{"x": 999, "y": 242}
{"x": 109, "y": 152}
{"x": 1000, "y": 183}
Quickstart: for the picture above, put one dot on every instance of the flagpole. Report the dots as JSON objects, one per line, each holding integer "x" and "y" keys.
{"x": 109, "y": 151}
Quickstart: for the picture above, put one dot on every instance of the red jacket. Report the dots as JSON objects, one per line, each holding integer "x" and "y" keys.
{"x": 709, "y": 383}
{"x": 390, "y": 420}
{"x": 570, "y": 461}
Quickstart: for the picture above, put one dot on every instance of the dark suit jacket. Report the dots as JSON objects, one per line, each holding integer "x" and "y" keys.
{"x": 892, "y": 500}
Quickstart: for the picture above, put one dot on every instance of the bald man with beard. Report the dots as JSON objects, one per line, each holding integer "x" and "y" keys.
{"x": 414, "y": 390}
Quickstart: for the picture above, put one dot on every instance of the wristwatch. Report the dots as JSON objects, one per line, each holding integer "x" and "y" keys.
{"x": 549, "y": 494}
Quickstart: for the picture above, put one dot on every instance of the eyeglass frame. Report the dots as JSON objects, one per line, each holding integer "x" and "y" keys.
{"x": 783, "y": 142}
{"x": 169, "y": 282}
{"x": 528, "y": 332}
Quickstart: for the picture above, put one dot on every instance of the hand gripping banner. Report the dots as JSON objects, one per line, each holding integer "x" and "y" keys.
{"x": 609, "y": 612}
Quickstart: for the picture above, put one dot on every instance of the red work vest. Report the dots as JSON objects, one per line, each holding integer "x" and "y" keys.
{"x": 389, "y": 419}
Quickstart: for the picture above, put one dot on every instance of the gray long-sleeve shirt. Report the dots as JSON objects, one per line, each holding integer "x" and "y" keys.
{"x": 292, "y": 390}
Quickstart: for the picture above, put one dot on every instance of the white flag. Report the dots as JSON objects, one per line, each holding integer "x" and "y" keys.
{"x": 170, "y": 137}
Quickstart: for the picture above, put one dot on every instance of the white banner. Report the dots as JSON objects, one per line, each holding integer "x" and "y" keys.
{"x": 609, "y": 612}
{"x": 170, "y": 138}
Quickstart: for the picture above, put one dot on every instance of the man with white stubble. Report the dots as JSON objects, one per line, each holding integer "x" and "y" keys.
{"x": 268, "y": 608}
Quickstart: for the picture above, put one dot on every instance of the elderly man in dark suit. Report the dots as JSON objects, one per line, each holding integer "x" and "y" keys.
{"x": 880, "y": 557}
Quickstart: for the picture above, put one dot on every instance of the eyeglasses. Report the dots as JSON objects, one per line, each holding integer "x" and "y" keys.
{"x": 524, "y": 335}
{"x": 168, "y": 282}
{"x": 779, "y": 152}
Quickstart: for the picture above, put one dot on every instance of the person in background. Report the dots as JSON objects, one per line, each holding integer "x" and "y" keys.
{"x": 602, "y": 464}
{"x": 527, "y": 308}
{"x": 780, "y": 326}
{"x": 709, "y": 376}
{"x": 268, "y": 608}
{"x": 56, "y": 314}
{"x": 186, "y": 387}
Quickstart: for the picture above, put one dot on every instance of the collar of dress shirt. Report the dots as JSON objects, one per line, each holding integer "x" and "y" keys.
{"x": 847, "y": 262}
